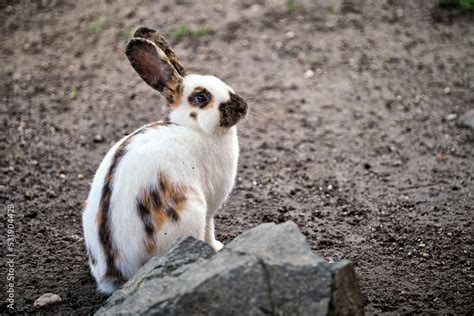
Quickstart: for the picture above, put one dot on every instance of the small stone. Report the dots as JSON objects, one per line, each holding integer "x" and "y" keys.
{"x": 397, "y": 163}
{"x": 80, "y": 176}
{"x": 441, "y": 157}
{"x": 308, "y": 74}
{"x": 417, "y": 99}
{"x": 62, "y": 176}
{"x": 399, "y": 97}
{"x": 290, "y": 34}
{"x": 447, "y": 90}
{"x": 451, "y": 117}
{"x": 254, "y": 7}
{"x": 47, "y": 299}
{"x": 466, "y": 120}
{"x": 425, "y": 254}
{"x": 330, "y": 187}
{"x": 98, "y": 138}
{"x": 399, "y": 13}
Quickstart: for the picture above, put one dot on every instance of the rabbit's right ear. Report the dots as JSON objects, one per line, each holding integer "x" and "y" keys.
{"x": 152, "y": 64}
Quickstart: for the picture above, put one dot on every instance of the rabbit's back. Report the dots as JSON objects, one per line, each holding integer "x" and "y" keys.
{"x": 153, "y": 186}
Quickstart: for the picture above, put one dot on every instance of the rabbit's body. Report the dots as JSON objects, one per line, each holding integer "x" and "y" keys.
{"x": 167, "y": 179}
{"x": 199, "y": 167}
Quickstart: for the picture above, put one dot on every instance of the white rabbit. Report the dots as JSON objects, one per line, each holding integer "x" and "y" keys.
{"x": 166, "y": 179}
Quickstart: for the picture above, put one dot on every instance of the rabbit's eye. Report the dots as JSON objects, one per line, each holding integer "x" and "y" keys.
{"x": 201, "y": 99}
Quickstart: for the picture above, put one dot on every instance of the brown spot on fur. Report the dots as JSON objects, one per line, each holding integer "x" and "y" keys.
{"x": 200, "y": 90}
{"x": 173, "y": 198}
{"x": 156, "y": 205}
{"x": 193, "y": 115}
{"x": 103, "y": 214}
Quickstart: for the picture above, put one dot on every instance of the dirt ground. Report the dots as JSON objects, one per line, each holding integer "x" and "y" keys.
{"x": 352, "y": 133}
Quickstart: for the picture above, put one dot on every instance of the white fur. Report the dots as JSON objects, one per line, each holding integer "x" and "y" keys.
{"x": 193, "y": 153}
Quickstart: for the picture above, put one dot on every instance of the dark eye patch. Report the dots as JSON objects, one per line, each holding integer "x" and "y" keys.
{"x": 200, "y": 97}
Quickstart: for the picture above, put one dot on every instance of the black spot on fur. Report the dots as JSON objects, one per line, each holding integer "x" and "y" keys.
{"x": 146, "y": 218}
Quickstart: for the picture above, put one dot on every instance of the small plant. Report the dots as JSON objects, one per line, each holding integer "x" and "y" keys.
{"x": 292, "y": 6}
{"x": 128, "y": 34}
{"x": 73, "y": 93}
{"x": 464, "y": 4}
{"x": 202, "y": 31}
{"x": 180, "y": 32}
{"x": 185, "y": 30}
{"x": 97, "y": 26}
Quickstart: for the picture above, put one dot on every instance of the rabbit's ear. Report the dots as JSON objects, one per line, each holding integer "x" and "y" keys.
{"x": 154, "y": 67}
{"x": 159, "y": 40}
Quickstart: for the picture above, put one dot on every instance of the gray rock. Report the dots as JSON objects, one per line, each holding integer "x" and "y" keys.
{"x": 151, "y": 283}
{"x": 267, "y": 270}
{"x": 467, "y": 120}
{"x": 346, "y": 295}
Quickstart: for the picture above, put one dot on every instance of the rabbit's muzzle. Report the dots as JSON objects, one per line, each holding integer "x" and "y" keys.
{"x": 232, "y": 111}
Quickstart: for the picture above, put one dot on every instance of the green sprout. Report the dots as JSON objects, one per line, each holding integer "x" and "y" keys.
{"x": 97, "y": 26}
{"x": 202, "y": 31}
{"x": 73, "y": 93}
{"x": 292, "y": 6}
{"x": 181, "y": 32}
{"x": 128, "y": 34}
{"x": 184, "y": 31}
{"x": 464, "y": 4}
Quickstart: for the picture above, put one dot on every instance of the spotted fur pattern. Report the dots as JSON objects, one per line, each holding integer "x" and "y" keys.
{"x": 166, "y": 179}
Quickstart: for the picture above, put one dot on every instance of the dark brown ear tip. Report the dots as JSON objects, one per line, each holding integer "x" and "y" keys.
{"x": 143, "y": 32}
{"x": 137, "y": 43}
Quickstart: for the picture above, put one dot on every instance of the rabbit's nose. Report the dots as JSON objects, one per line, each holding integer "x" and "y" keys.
{"x": 240, "y": 105}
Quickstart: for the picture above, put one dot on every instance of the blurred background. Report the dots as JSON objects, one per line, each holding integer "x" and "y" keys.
{"x": 360, "y": 130}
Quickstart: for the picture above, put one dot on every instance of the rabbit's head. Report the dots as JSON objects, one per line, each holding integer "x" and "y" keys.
{"x": 197, "y": 101}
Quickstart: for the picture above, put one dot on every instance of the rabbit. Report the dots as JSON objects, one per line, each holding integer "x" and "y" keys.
{"x": 166, "y": 179}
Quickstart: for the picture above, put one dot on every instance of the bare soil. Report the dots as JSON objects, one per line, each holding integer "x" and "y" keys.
{"x": 352, "y": 134}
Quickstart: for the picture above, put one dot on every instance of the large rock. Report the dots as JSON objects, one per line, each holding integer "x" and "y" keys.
{"x": 267, "y": 270}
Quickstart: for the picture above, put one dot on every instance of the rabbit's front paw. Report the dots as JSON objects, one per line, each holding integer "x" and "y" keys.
{"x": 217, "y": 245}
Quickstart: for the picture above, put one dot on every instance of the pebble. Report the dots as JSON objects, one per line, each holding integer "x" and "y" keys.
{"x": 62, "y": 176}
{"x": 290, "y": 34}
{"x": 441, "y": 157}
{"x": 98, "y": 138}
{"x": 80, "y": 176}
{"x": 447, "y": 90}
{"x": 255, "y": 7}
{"x": 425, "y": 254}
{"x": 308, "y": 74}
{"x": 451, "y": 117}
{"x": 47, "y": 299}
{"x": 467, "y": 120}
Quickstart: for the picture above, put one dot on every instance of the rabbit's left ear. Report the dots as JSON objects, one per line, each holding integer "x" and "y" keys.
{"x": 159, "y": 40}
{"x": 152, "y": 64}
